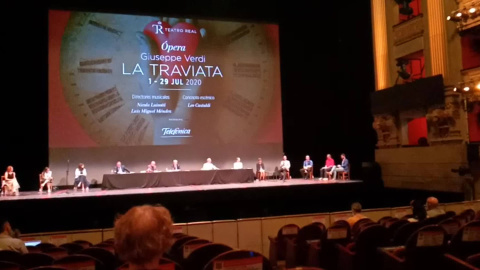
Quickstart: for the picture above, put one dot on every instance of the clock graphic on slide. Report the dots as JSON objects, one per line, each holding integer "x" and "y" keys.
{"x": 103, "y": 76}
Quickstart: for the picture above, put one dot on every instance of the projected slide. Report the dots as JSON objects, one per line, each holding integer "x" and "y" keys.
{"x": 130, "y": 80}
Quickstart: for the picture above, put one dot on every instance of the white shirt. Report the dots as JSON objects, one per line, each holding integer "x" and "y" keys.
{"x": 9, "y": 243}
{"x": 47, "y": 175}
{"x": 238, "y": 165}
{"x": 285, "y": 164}
{"x": 209, "y": 166}
{"x": 78, "y": 173}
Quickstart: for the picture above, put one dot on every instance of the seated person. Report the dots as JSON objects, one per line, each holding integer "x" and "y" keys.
{"x": 432, "y": 208}
{"x": 356, "y": 214}
{"x": 46, "y": 178}
{"x": 307, "y": 167}
{"x": 119, "y": 168}
{"x": 260, "y": 169}
{"x": 7, "y": 242}
{"x": 343, "y": 167}
{"x": 284, "y": 168}
{"x": 209, "y": 165}
{"x": 10, "y": 184}
{"x": 418, "y": 211}
{"x": 81, "y": 178}
{"x": 329, "y": 164}
{"x": 238, "y": 164}
{"x": 175, "y": 166}
{"x": 142, "y": 236}
{"x": 152, "y": 167}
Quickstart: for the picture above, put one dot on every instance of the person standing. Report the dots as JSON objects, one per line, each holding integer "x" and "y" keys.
{"x": 329, "y": 164}
{"x": 46, "y": 178}
{"x": 10, "y": 182}
{"x": 284, "y": 168}
{"x": 81, "y": 178}
{"x": 307, "y": 168}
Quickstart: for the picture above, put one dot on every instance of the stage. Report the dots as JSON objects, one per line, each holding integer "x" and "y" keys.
{"x": 97, "y": 192}
{"x": 68, "y": 210}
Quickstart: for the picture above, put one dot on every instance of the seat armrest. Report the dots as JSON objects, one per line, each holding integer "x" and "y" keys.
{"x": 457, "y": 263}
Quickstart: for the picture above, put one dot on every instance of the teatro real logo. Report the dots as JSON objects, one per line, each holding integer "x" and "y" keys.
{"x": 176, "y": 132}
{"x": 158, "y": 28}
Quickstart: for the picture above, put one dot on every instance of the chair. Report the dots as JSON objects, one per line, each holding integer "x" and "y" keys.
{"x": 164, "y": 264}
{"x": 278, "y": 245}
{"x": 382, "y": 221}
{"x": 6, "y": 265}
{"x": 338, "y": 233}
{"x": 106, "y": 246}
{"x": 45, "y": 245}
{"x": 76, "y": 261}
{"x": 451, "y": 226}
{"x": 199, "y": 258}
{"x": 474, "y": 260}
{"x": 4, "y": 186}
{"x": 50, "y": 267}
{"x": 454, "y": 263}
{"x": 41, "y": 186}
{"x": 401, "y": 236}
{"x": 84, "y": 243}
{"x": 30, "y": 260}
{"x": 308, "y": 235}
{"x": 362, "y": 254}
{"x": 57, "y": 252}
{"x": 72, "y": 247}
{"x": 10, "y": 256}
{"x": 394, "y": 226}
{"x": 178, "y": 243}
{"x": 424, "y": 249}
{"x": 465, "y": 241}
{"x": 242, "y": 259}
{"x": 106, "y": 257}
{"x": 358, "y": 226}
{"x": 344, "y": 175}
{"x": 33, "y": 249}
{"x": 184, "y": 250}
{"x": 469, "y": 213}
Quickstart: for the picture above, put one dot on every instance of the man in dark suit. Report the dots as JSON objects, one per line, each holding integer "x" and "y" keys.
{"x": 344, "y": 167}
{"x": 175, "y": 166}
{"x": 119, "y": 169}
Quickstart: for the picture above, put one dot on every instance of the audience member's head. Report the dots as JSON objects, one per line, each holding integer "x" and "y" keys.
{"x": 418, "y": 210}
{"x": 432, "y": 203}
{"x": 143, "y": 235}
{"x": 356, "y": 208}
{"x": 5, "y": 227}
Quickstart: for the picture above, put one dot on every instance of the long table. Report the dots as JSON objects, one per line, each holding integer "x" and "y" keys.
{"x": 176, "y": 178}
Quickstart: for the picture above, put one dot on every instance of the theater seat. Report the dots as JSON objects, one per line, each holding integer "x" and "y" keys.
{"x": 424, "y": 249}
{"x": 200, "y": 257}
{"x": 30, "y": 260}
{"x": 278, "y": 245}
{"x": 362, "y": 254}
{"x": 241, "y": 259}
{"x": 76, "y": 261}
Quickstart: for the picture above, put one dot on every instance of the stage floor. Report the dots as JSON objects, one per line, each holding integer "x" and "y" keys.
{"x": 97, "y": 192}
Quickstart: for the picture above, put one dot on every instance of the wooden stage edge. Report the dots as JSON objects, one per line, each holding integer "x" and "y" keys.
{"x": 96, "y": 192}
